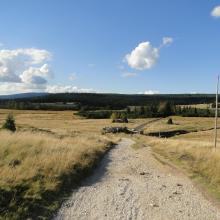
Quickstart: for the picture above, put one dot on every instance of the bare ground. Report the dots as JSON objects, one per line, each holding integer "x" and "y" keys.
{"x": 132, "y": 184}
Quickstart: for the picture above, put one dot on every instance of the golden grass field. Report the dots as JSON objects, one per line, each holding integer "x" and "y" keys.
{"x": 54, "y": 150}
{"x": 181, "y": 123}
{"x": 194, "y": 152}
{"x": 51, "y": 149}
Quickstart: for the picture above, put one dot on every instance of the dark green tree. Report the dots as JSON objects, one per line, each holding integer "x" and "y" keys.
{"x": 170, "y": 121}
{"x": 165, "y": 108}
{"x": 124, "y": 117}
{"x": 9, "y": 123}
{"x": 142, "y": 110}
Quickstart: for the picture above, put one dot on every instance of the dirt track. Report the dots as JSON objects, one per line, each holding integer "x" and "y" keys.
{"x": 131, "y": 184}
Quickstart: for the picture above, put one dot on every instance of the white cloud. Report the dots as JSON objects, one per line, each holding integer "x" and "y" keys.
{"x": 66, "y": 89}
{"x": 13, "y": 88}
{"x": 144, "y": 56}
{"x": 36, "y": 75}
{"x": 167, "y": 40}
{"x": 27, "y": 70}
{"x": 128, "y": 74}
{"x": 193, "y": 93}
{"x": 24, "y": 65}
{"x": 7, "y": 74}
{"x": 149, "y": 92}
{"x": 216, "y": 12}
{"x": 72, "y": 76}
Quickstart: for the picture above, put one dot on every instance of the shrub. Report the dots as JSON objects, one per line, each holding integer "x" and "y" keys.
{"x": 114, "y": 116}
{"x": 120, "y": 117}
{"x": 170, "y": 121}
{"x": 9, "y": 123}
{"x": 124, "y": 117}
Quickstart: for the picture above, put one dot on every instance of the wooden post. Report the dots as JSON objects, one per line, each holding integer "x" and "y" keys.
{"x": 216, "y": 114}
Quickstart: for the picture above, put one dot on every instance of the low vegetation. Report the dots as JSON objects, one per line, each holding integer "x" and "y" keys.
{"x": 194, "y": 152}
{"x": 51, "y": 151}
{"x": 197, "y": 157}
{"x": 39, "y": 166}
{"x": 9, "y": 123}
{"x": 120, "y": 117}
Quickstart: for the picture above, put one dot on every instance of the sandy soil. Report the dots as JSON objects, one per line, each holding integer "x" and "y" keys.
{"x": 132, "y": 184}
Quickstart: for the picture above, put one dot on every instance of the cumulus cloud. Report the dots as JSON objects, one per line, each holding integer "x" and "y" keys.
{"x": 36, "y": 75}
{"x": 128, "y": 74}
{"x": 145, "y": 56}
{"x": 216, "y": 12}
{"x": 24, "y": 65}
{"x": 7, "y": 74}
{"x": 149, "y": 92}
{"x": 13, "y": 88}
{"x": 67, "y": 89}
{"x": 27, "y": 70}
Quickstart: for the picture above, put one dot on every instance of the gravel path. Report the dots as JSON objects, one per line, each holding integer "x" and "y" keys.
{"x": 130, "y": 184}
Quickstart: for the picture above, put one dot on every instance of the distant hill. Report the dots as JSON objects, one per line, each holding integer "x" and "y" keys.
{"x": 22, "y": 95}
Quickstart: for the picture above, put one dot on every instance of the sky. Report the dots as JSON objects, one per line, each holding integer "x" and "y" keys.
{"x": 112, "y": 46}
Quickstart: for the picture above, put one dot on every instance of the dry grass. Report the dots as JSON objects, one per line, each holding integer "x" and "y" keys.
{"x": 45, "y": 155}
{"x": 193, "y": 151}
{"x": 55, "y": 149}
{"x": 49, "y": 154}
{"x": 181, "y": 123}
{"x": 197, "y": 157}
{"x": 61, "y": 122}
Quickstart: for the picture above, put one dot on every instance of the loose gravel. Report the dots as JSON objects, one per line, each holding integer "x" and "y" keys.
{"x": 131, "y": 184}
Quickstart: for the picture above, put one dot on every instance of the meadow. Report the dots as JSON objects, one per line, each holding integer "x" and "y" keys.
{"x": 52, "y": 151}
{"x": 193, "y": 152}
{"x": 47, "y": 156}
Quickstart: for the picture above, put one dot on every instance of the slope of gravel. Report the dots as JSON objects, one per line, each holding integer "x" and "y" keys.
{"x": 131, "y": 184}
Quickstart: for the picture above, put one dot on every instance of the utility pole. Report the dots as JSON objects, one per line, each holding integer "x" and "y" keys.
{"x": 216, "y": 114}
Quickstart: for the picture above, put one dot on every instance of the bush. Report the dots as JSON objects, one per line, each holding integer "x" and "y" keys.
{"x": 114, "y": 116}
{"x": 170, "y": 121}
{"x": 119, "y": 117}
{"x": 9, "y": 123}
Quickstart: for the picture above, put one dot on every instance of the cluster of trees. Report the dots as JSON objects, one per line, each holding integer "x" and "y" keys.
{"x": 119, "y": 117}
{"x": 103, "y": 105}
{"x": 194, "y": 112}
{"x": 162, "y": 109}
{"x": 27, "y": 105}
{"x": 95, "y": 101}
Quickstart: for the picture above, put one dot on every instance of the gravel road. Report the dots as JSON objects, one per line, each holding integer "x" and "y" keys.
{"x": 130, "y": 184}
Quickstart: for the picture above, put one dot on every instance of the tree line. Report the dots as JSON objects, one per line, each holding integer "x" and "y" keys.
{"x": 97, "y": 101}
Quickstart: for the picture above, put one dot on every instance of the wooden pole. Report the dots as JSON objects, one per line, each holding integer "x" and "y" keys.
{"x": 216, "y": 114}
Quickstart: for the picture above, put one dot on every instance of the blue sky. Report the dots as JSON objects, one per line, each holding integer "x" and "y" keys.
{"x": 72, "y": 45}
